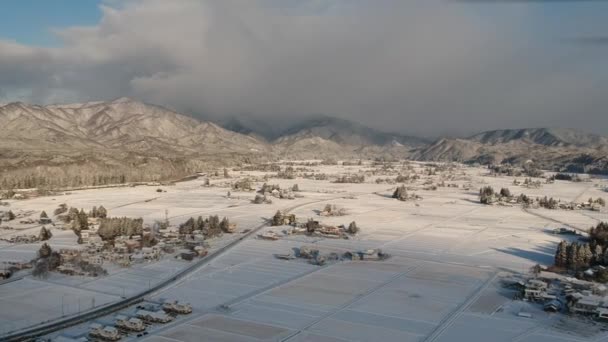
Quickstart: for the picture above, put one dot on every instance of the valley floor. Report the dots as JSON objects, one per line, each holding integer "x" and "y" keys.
{"x": 448, "y": 254}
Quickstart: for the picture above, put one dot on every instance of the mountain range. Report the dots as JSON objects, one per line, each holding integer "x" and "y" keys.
{"x": 129, "y": 127}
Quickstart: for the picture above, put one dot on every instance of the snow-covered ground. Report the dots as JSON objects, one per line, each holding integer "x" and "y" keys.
{"x": 441, "y": 283}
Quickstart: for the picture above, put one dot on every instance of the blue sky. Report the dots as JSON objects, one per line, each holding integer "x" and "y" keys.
{"x": 31, "y": 21}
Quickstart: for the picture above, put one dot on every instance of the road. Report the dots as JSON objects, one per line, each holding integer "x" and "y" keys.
{"x": 33, "y": 332}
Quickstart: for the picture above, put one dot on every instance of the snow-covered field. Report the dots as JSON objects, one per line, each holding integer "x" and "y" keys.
{"x": 441, "y": 283}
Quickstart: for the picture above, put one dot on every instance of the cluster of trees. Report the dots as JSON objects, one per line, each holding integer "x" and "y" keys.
{"x": 528, "y": 169}
{"x": 269, "y": 188}
{"x": 350, "y": 179}
{"x": 61, "y": 209}
{"x": 211, "y": 226}
{"x": 406, "y": 178}
{"x": 111, "y": 227}
{"x": 9, "y": 216}
{"x": 487, "y": 195}
{"x": 333, "y": 210}
{"x": 77, "y": 220}
{"x": 288, "y": 173}
{"x": 97, "y": 172}
{"x": 259, "y": 199}
{"x": 528, "y": 183}
{"x": 352, "y": 163}
{"x": 577, "y": 256}
{"x": 280, "y": 219}
{"x": 548, "y": 203}
{"x": 48, "y": 260}
{"x": 598, "y": 200}
{"x": 100, "y": 212}
{"x": 532, "y": 170}
{"x": 566, "y": 177}
{"x": 244, "y": 184}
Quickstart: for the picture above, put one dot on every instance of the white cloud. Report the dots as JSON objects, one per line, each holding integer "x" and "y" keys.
{"x": 421, "y": 65}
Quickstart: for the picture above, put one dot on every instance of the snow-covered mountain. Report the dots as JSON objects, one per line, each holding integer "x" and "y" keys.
{"x": 123, "y": 124}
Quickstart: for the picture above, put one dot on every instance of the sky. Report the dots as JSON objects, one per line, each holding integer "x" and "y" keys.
{"x": 421, "y": 67}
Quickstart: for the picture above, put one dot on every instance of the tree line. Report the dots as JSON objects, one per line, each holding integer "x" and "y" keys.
{"x": 576, "y": 256}
{"x": 211, "y": 226}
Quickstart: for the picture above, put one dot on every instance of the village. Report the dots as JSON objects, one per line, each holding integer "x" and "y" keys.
{"x": 383, "y": 237}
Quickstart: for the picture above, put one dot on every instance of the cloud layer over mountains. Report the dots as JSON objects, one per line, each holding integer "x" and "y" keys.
{"x": 421, "y": 66}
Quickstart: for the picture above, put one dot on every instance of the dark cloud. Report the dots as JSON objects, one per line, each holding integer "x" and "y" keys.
{"x": 420, "y": 66}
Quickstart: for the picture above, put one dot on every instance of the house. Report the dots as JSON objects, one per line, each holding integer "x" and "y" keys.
{"x": 85, "y": 234}
{"x": 586, "y": 305}
{"x": 534, "y": 289}
{"x": 94, "y": 259}
{"x": 553, "y": 306}
{"x": 153, "y": 316}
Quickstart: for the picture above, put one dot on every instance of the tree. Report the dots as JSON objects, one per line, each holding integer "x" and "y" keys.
{"x": 535, "y": 270}
{"x": 311, "y": 226}
{"x": 295, "y": 188}
{"x": 102, "y": 212}
{"x": 44, "y": 251}
{"x": 352, "y": 228}
{"x": 561, "y": 255}
{"x": 41, "y": 269}
{"x": 400, "y": 193}
{"x": 187, "y": 227}
{"x": 10, "y": 215}
{"x": 43, "y": 215}
{"x": 54, "y": 260}
{"x": 598, "y": 255}
{"x": 505, "y": 192}
{"x": 486, "y": 195}
{"x": 225, "y": 225}
{"x": 44, "y": 234}
{"x": 277, "y": 219}
{"x": 61, "y": 209}
{"x": 571, "y": 256}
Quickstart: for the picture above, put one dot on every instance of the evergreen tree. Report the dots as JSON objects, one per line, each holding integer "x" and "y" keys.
{"x": 44, "y": 251}
{"x": 10, "y": 215}
{"x": 586, "y": 255}
{"x": 102, "y": 212}
{"x": 505, "y": 192}
{"x": 400, "y": 193}
{"x": 571, "y": 256}
{"x": 225, "y": 225}
{"x": 561, "y": 255}
{"x": 598, "y": 254}
{"x": 352, "y": 228}
{"x": 44, "y": 234}
{"x": 43, "y": 215}
{"x": 277, "y": 219}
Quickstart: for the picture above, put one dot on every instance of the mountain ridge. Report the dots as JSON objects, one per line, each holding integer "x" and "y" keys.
{"x": 132, "y": 126}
